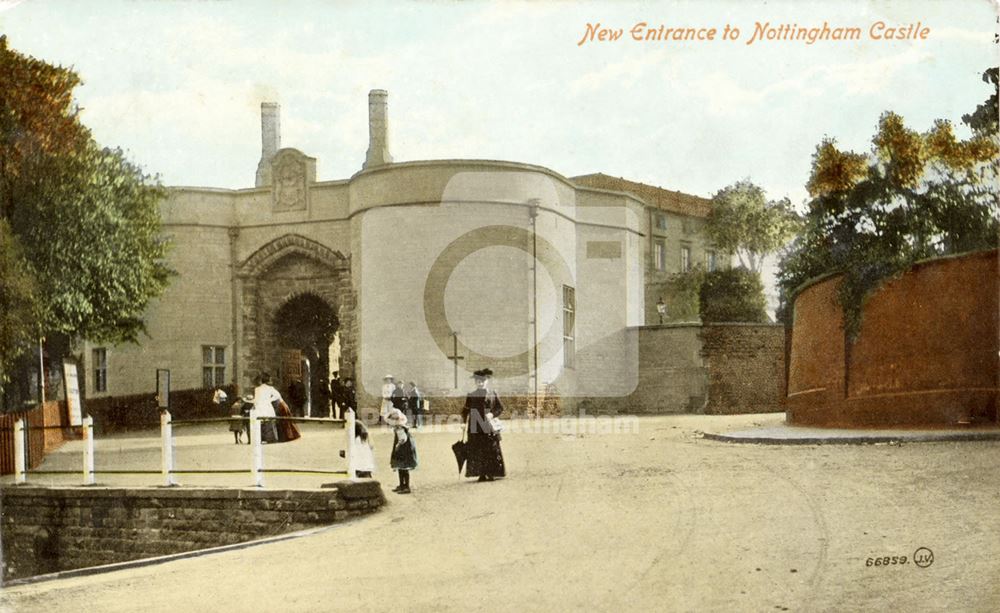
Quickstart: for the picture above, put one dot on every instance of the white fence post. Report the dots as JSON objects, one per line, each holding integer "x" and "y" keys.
{"x": 257, "y": 462}
{"x": 89, "y": 478}
{"x": 167, "y": 446}
{"x": 19, "y": 452}
{"x": 349, "y": 447}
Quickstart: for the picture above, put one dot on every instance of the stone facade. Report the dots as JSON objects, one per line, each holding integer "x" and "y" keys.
{"x": 48, "y": 530}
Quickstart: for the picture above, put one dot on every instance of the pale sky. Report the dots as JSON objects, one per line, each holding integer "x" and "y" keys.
{"x": 178, "y": 83}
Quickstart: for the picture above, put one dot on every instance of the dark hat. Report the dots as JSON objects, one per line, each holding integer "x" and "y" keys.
{"x": 484, "y": 373}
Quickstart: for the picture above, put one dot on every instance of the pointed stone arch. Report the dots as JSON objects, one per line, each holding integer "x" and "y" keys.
{"x": 286, "y": 245}
{"x": 284, "y": 268}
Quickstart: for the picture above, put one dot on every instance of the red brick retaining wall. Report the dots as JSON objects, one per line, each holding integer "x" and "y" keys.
{"x": 926, "y": 353}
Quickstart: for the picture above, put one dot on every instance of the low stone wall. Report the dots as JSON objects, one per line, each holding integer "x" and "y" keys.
{"x": 47, "y": 530}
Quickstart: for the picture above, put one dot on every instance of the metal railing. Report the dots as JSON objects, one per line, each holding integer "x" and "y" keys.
{"x": 167, "y": 467}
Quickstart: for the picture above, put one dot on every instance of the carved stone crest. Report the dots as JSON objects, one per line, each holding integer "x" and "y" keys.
{"x": 291, "y": 181}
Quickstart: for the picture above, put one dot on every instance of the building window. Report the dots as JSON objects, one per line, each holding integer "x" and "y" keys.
{"x": 685, "y": 259}
{"x": 659, "y": 255}
{"x": 100, "y": 370}
{"x": 710, "y": 261}
{"x": 213, "y": 366}
{"x": 660, "y": 221}
{"x": 569, "y": 327}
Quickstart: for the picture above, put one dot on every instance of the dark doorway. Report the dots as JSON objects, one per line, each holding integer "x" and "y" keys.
{"x": 304, "y": 328}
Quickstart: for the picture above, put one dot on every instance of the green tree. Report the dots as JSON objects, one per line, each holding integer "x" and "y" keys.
{"x": 734, "y": 294}
{"x": 682, "y": 294}
{"x": 913, "y": 196}
{"x": 19, "y": 305}
{"x": 84, "y": 220}
{"x": 744, "y": 222}
{"x": 984, "y": 120}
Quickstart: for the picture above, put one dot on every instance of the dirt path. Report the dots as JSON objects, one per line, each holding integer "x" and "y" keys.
{"x": 659, "y": 519}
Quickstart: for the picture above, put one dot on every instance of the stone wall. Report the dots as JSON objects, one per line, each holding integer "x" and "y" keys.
{"x": 49, "y": 530}
{"x": 713, "y": 369}
{"x": 745, "y": 365}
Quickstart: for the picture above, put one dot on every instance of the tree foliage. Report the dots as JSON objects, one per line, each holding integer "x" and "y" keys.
{"x": 913, "y": 196}
{"x": 985, "y": 118}
{"x": 19, "y": 306}
{"x": 744, "y": 222}
{"x": 734, "y": 294}
{"x": 682, "y": 295}
{"x": 82, "y": 218}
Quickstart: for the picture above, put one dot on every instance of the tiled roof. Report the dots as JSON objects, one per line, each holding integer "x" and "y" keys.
{"x": 668, "y": 200}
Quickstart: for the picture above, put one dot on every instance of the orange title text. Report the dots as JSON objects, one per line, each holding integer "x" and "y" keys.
{"x": 762, "y": 32}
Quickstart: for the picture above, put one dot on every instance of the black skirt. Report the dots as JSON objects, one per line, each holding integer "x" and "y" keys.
{"x": 485, "y": 457}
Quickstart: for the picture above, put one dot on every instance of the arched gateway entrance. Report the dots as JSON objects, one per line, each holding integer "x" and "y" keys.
{"x": 297, "y": 305}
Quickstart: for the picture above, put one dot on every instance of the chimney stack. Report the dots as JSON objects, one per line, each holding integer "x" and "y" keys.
{"x": 270, "y": 140}
{"x": 378, "y": 129}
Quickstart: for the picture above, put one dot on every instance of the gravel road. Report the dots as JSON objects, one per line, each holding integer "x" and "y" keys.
{"x": 654, "y": 519}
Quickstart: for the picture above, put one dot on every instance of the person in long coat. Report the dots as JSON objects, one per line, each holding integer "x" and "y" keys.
{"x": 484, "y": 456}
{"x": 348, "y": 398}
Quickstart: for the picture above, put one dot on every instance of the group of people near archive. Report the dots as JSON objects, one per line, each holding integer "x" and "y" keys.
{"x": 401, "y": 409}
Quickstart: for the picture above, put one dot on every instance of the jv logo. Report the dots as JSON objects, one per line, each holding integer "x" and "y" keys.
{"x": 923, "y": 557}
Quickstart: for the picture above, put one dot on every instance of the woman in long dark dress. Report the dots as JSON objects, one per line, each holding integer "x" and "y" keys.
{"x": 484, "y": 456}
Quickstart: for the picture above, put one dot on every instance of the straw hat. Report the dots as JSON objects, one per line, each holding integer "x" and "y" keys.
{"x": 395, "y": 418}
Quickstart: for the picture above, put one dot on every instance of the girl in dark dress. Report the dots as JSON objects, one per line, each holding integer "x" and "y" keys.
{"x": 484, "y": 456}
{"x": 404, "y": 452}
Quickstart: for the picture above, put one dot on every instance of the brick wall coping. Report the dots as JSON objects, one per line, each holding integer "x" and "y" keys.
{"x": 714, "y": 324}
{"x": 678, "y": 324}
{"x": 743, "y": 324}
{"x": 917, "y": 264}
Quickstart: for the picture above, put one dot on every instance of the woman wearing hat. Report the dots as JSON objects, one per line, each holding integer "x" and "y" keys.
{"x": 482, "y": 405}
{"x": 388, "y": 387}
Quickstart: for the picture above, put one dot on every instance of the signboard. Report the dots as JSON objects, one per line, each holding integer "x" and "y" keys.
{"x": 73, "y": 405}
{"x": 162, "y": 388}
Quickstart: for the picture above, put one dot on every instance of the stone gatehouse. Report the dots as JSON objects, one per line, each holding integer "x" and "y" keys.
{"x": 427, "y": 270}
